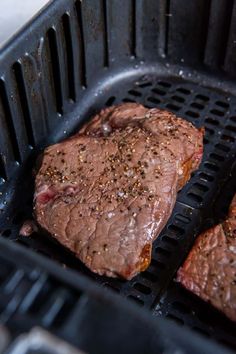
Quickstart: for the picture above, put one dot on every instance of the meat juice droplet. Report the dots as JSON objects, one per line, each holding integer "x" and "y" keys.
{"x": 232, "y": 249}
{"x": 70, "y": 190}
{"x": 120, "y": 194}
{"x": 106, "y": 128}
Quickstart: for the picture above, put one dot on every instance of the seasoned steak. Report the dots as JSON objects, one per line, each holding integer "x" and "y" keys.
{"x": 107, "y": 196}
{"x": 210, "y": 268}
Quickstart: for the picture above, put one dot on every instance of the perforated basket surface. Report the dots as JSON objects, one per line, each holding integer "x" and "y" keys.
{"x": 78, "y": 57}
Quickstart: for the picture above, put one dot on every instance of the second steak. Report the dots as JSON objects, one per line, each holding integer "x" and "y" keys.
{"x": 210, "y": 268}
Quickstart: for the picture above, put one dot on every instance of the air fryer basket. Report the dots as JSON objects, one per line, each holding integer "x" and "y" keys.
{"x": 80, "y": 56}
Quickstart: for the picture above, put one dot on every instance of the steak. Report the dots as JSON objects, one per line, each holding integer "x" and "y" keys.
{"x": 210, "y": 268}
{"x": 107, "y": 192}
